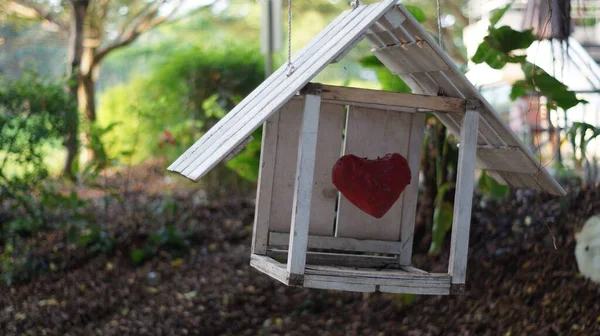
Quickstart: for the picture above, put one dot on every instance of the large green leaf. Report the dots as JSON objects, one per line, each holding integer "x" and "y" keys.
{"x": 505, "y": 39}
{"x": 557, "y": 92}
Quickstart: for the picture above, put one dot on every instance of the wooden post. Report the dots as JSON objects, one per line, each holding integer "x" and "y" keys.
{"x": 465, "y": 183}
{"x": 409, "y": 206}
{"x": 307, "y": 151}
{"x": 264, "y": 192}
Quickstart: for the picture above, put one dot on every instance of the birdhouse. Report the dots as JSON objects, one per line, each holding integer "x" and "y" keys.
{"x": 337, "y": 192}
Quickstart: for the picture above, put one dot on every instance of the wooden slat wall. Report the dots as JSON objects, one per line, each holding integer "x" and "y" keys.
{"x": 372, "y": 133}
{"x": 288, "y": 131}
{"x": 329, "y": 146}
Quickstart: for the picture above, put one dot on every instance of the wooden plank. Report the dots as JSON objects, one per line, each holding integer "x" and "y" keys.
{"x": 510, "y": 159}
{"x": 513, "y": 180}
{"x": 367, "y": 105}
{"x": 408, "y": 59}
{"x": 270, "y": 267}
{"x": 411, "y": 193}
{"x": 428, "y": 85}
{"x": 264, "y": 192}
{"x": 380, "y": 281}
{"x": 465, "y": 184}
{"x": 303, "y": 189}
{"x": 487, "y": 135}
{"x": 349, "y": 95}
{"x": 270, "y": 83}
{"x": 415, "y": 290}
{"x": 496, "y": 175}
{"x": 376, "y": 273}
{"x": 373, "y": 133}
{"x": 288, "y": 133}
{"x": 213, "y": 151}
{"x": 341, "y": 244}
{"x": 329, "y": 146}
{"x": 341, "y": 286}
{"x": 339, "y": 259}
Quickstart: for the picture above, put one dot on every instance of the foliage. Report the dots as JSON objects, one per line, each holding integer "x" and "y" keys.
{"x": 505, "y": 45}
{"x": 184, "y": 95}
{"x": 443, "y": 215}
{"x": 492, "y": 189}
{"x": 34, "y": 115}
{"x": 580, "y": 135}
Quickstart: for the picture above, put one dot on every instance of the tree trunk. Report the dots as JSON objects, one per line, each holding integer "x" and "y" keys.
{"x": 79, "y": 8}
{"x": 86, "y": 101}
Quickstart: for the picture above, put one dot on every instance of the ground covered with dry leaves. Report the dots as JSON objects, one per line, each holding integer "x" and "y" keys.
{"x": 522, "y": 279}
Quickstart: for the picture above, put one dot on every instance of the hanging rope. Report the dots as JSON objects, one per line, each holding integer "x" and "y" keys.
{"x": 439, "y": 23}
{"x": 290, "y": 66}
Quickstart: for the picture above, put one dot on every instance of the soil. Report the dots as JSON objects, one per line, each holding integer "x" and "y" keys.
{"x": 522, "y": 278}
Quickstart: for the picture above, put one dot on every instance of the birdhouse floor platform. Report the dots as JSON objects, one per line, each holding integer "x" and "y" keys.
{"x": 380, "y": 278}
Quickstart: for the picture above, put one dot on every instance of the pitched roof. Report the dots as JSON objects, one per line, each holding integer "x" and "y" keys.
{"x": 407, "y": 50}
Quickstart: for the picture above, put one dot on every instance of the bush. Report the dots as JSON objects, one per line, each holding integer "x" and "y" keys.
{"x": 34, "y": 116}
{"x": 165, "y": 112}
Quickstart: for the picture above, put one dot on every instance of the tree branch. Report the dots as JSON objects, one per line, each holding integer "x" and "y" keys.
{"x": 141, "y": 24}
{"x": 33, "y": 12}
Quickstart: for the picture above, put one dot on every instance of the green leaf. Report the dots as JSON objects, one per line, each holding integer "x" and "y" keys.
{"x": 417, "y": 12}
{"x": 491, "y": 188}
{"x": 442, "y": 223}
{"x": 506, "y": 39}
{"x": 557, "y": 93}
{"x": 370, "y": 61}
{"x": 498, "y": 14}
{"x": 138, "y": 256}
{"x": 519, "y": 89}
{"x": 486, "y": 54}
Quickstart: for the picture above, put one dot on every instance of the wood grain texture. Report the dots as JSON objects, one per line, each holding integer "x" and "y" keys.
{"x": 341, "y": 244}
{"x": 270, "y": 267}
{"x": 354, "y": 96}
{"x": 288, "y": 133}
{"x": 409, "y": 201}
{"x": 373, "y": 133}
{"x": 303, "y": 188}
{"x": 509, "y": 159}
{"x": 329, "y": 146}
{"x": 465, "y": 184}
{"x": 264, "y": 192}
{"x": 339, "y": 259}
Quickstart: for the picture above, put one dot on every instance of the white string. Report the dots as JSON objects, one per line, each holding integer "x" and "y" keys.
{"x": 439, "y": 23}
{"x": 290, "y": 66}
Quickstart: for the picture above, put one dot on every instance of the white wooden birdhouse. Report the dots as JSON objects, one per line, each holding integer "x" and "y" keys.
{"x": 307, "y": 233}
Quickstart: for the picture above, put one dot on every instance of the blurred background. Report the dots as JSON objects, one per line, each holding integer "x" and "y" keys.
{"x": 98, "y": 97}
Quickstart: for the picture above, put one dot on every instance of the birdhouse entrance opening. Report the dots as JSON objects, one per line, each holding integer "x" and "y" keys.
{"x": 334, "y": 244}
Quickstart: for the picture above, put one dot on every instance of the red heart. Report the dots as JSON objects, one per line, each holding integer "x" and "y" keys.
{"x": 372, "y": 185}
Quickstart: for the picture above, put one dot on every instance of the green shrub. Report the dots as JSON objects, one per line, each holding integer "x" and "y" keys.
{"x": 34, "y": 116}
{"x": 163, "y": 113}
